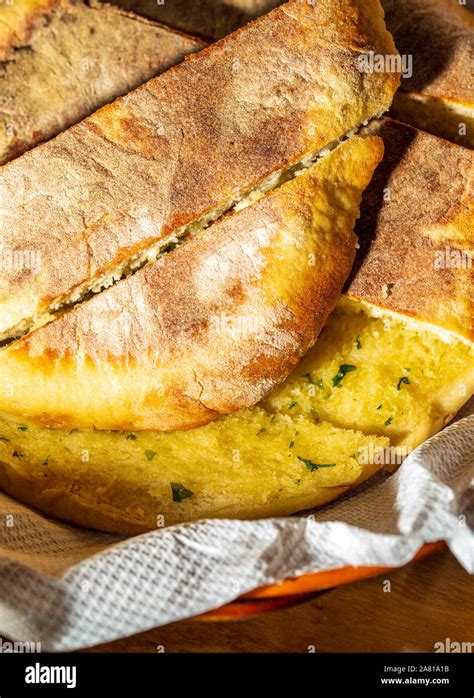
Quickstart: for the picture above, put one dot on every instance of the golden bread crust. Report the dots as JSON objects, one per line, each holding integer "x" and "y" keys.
{"x": 416, "y": 231}
{"x": 185, "y": 144}
{"x": 72, "y": 67}
{"x": 212, "y": 326}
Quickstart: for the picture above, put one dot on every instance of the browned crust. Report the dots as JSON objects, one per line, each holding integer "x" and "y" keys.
{"x": 211, "y": 327}
{"x": 187, "y": 142}
{"x": 439, "y": 35}
{"x": 406, "y": 239}
{"x": 72, "y": 67}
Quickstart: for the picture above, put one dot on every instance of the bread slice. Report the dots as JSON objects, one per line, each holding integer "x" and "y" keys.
{"x": 248, "y": 465}
{"x": 416, "y": 232}
{"x": 211, "y": 19}
{"x": 111, "y": 192}
{"x": 439, "y": 36}
{"x": 403, "y": 331}
{"x": 300, "y": 449}
{"x": 212, "y": 326}
{"x": 69, "y": 66}
{"x": 405, "y": 381}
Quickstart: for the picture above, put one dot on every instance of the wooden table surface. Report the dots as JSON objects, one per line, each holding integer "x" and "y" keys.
{"x": 429, "y": 601}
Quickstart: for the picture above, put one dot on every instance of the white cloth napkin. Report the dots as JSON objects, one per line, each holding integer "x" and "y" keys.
{"x": 68, "y": 588}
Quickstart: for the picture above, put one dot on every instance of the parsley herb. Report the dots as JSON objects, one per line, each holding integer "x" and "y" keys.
{"x": 292, "y": 443}
{"x": 403, "y": 379}
{"x": 388, "y": 421}
{"x": 357, "y": 343}
{"x": 292, "y": 404}
{"x": 131, "y": 437}
{"x": 315, "y": 466}
{"x": 180, "y": 492}
{"x": 23, "y": 427}
{"x": 343, "y": 369}
{"x": 150, "y": 454}
{"x": 260, "y": 431}
{"x": 379, "y": 407}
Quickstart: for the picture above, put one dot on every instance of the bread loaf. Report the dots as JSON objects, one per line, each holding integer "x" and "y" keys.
{"x": 112, "y": 191}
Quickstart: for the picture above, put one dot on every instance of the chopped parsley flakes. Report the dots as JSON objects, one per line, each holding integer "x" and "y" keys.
{"x": 292, "y": 404}
{"x": 315, "y": 466}
{"x": 388, "y": 421}
{"x": 402, "y": 380}
{"x": 180, "y": 492}
{"x": 343, "y": 369}
{"x": 150, "y": 454}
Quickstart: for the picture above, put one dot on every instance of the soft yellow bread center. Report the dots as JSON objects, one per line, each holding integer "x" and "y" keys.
{"x": 395, "y": 381}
